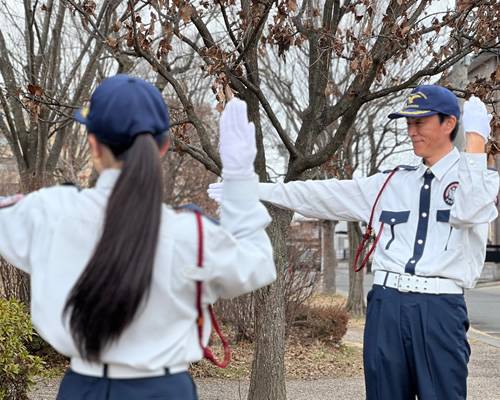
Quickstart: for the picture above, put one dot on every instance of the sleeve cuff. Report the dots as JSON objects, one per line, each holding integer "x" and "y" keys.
{"x": 247, "y": 189}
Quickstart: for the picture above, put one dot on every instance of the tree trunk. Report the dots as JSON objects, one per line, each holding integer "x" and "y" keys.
{"x": 329, "y": 258}
{"x": 267, "y": 381}
{"x": 356, "y": 299}
{"x": 15, "y": 284}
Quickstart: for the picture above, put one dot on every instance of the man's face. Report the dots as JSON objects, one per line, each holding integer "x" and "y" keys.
{"x": 430, "y": 138}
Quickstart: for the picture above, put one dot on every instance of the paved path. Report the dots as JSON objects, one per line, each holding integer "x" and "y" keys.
{"x": 482, "y": 304}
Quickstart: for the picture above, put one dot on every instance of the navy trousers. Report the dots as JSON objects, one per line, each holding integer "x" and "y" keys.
{"x": 168, "y": 387}
{"x": 415, "y": 345}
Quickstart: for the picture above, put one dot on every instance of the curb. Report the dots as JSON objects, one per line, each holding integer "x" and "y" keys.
{"x": 483, "y": 337}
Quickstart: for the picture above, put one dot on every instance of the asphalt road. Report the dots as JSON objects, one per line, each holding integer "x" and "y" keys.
{"x": 483, "y": 303}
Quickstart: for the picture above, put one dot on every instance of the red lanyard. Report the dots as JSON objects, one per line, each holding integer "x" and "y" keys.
{"x": 369, "y": 229}
{"x": 200, "y": 320}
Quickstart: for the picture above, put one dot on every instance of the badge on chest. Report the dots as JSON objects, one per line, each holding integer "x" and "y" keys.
{"x": 449, "y": 193}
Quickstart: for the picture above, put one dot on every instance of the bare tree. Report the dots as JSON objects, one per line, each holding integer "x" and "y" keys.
{"x": 48, "y": 64}
{"x": 47, "y": 67}
{"x": 231, "y": 41}
{"x": 227, "y": 43}
{"x": 186, "y": 180}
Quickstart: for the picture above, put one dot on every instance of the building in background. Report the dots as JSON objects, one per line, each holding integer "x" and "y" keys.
{"x": 304, "y": 244}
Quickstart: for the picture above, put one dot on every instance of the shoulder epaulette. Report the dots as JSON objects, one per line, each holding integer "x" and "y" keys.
{"x": 195, "y": 208}
{"x": 403, "y": 167}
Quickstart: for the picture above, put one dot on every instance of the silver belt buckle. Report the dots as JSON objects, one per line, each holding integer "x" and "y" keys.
{"x": 402, "y": 287}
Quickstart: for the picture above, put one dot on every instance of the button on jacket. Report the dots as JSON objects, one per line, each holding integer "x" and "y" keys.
{"x": 434, "y": 226}
{"x": 51, "y": 234}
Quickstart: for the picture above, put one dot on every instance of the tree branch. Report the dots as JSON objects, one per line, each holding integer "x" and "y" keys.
{"x": 188, "y": 106}
{"x": 271, "y": 115}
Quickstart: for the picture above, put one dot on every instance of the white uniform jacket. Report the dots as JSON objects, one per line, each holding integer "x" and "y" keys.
{"x": 51, "y": 234}
{"x": 432, "y": 228}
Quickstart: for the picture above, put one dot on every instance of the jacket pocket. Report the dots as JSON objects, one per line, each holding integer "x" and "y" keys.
{"x": 393, "y": 218}
{"x": 443, "y": 216}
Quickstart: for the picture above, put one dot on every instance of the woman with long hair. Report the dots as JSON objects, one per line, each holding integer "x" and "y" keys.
{"x": 114, "y": 271}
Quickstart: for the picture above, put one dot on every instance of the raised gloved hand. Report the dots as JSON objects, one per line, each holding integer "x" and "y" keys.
{"x": 215, "y": 191}
{"x": 237, "y": 142}
{"x": 476, "y": 118}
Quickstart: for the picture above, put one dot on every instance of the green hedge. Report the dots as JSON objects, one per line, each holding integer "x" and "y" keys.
{"x": 18, "y": 367}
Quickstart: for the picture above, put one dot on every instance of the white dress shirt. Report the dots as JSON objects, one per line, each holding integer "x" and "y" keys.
{"x": 445, "y": 237}
{"x": 51, "y": 234}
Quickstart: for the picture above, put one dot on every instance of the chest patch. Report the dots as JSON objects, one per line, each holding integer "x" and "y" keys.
{"x": 449, "y": 193}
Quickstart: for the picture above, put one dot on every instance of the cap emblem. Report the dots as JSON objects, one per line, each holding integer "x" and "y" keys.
{"x": 414, "y": 96}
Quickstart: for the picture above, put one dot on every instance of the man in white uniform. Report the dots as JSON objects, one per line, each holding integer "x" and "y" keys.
{"x": 433, "y": 223}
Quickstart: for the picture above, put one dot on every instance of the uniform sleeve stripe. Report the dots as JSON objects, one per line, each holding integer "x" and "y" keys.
{"x": 10, "y": 200}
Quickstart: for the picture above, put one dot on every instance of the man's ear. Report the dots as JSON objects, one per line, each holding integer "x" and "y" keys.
{"x": 95, "y": 146}
{"x": 450, "y": 123}
{"x": 164, "y": 147}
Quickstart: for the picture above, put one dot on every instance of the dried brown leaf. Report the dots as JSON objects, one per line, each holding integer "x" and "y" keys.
{"x": 220, "y": 95}
{"x": 354, "y": 65}
{"x": 185, "y": 12}
{"x": 366, "y": 63}
{"x": 111, "y": 42}
{"x": 229, "y": 92}
{"x": 151, "y": 29}
{"x": 329, "y": 89}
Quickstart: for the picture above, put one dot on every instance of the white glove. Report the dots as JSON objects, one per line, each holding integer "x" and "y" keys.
{"x": 476, "y": 118}
{"x": 237, "y": 142}
{"x": 215, "y": 191}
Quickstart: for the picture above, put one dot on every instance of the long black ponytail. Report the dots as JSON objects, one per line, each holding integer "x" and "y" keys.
{"x": 118, "y": 277}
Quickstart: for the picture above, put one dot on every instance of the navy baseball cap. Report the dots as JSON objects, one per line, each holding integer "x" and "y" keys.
{"x": 429, "y": 100}
{"x": 123, "y": 107}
